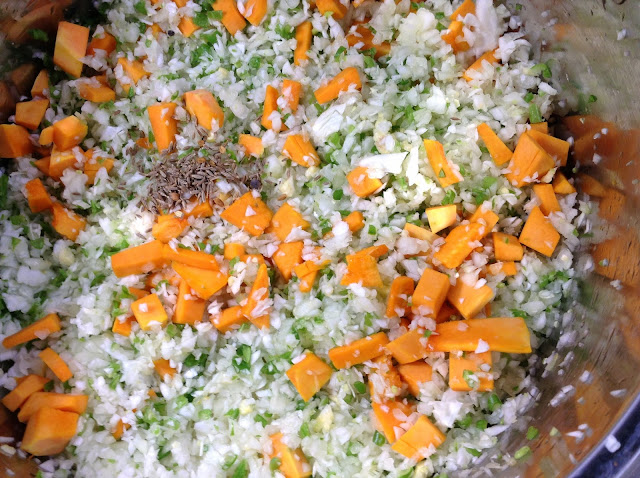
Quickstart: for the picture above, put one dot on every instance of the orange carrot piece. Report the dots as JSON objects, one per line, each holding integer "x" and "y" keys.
{"x": 287, "y": 257}
{"x": 92, "y": 165}
{"x": 164, "y": 125}
{"x": 458, "y": 244}
{"x": 134, "y": 70}
{"x": 421, "y": 233}
{"x": 291, "y": 91}
{"x": 270, "y": 106}
{"x": 470, "y": 371}
{"x": 422, "y": 435}
{"x": 204, "y": 282}
{"x": 37, "y": 196}
{"x": 485, "y": 217}
{"x": 409, "y": 347}
{"x": 255, "y": 11}
{"x": 539, "y": 234}
{"x": 123, "y": 327}
{"x": 463, "y": 10}
{"x": 95, "y": 89}
{"x": 507, "y": 247}
{"x": 204, "y": 106}
{"x": 561, "y": 184}
{"x": 189, "y": 307}
{"x": 69, "y": 132}
{"x": 168, "y": 227}
{"x": 451, "y": 35}
{"x": 202, "y": 209}
{"x": 309, "y": 375}
{"x": 70, "y": 48}
{"x": 337, "y": 9}
{"x": 106, "y": 42}
{"x": 489, "y": 57}
{"x": 163, "y": 368}
{"x": 441, "y": 217}
{"x": 43, "y": 165}
{"x": 362, "y": 184}
{"x": 285, "y": 220}
{"x": 555, "y": 147}
{"x": 300, "y": 150}
{"x": 293, "y": 463}
{"x": 232, "y": 20}
{"x": 541, "y": 127}
{"x": 355, "y": 221}
{"x": 233, "y": 250}
{"x": 252, "y": 145}
{"x": 229, "y": 319}
{"x": 343, "y": 81}
{"x": 390, "y": 415}
{"x": 362, "y": 269}
{"x": 14, "y": 141}
{"x": 384, "y": 380}
{"x": 119, "y": 430}
{"x": 430, "y": 293}
{"x": 149, "y": 310}
{"x": 40, "y": 85}
{"x": 186, "y": 26}
{"x": 440, "y": 165}
{"x": 530, "y": 162}
{"x": 139, "y": 259}
{"x": 46, "y": 136}
{"x": 66, "y": 222}
{"x": 40, "y": 329}
{"x": 257, "y": 307}
{"x": 499, "y": 151}
{"x": 303, "y": 42}
{"x": 363, "y": 37}
{"x": 49, "y": 431}
{"x": 414, "y": 374}
{"x": 547, "y": 197}
{"x": 307, "y": 281}
{"x": 56, "y": 364}
{"x": 402, "y": 288}
{"x": 59, "y": 161}
{"x": 249, "y": 213}
{"x": 30, "y": 113}
{"x": 60, "y": 401}
{"x": 468, "y": 299}
{"x": 308, "y": 267}
{"x": 27, "y": 387}
{"x": 359, "y": 351}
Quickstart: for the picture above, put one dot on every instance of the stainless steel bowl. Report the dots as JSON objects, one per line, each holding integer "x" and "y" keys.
{"x": 588, "y": 388}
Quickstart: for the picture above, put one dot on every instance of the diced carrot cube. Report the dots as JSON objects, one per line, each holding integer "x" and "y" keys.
{"x": 441, "y": 217}
{"x": 49, "y": 431}
{"x": 249, "y": 213}
{"x": 485, "y": 217}
{"x": 43, "y": 165}
{"x": 14, "y": 141}
{"x": 291, "y": 91}
{"x": 530, "y": 162}
{"x": 71, "y": 47}
{"x": 555, "y": 147}
{"x": 232, "y": 20}
{"x": 258, "y": 306}
{"x": 561, "y": 184}
{"x": 300, "y": 150}
{"x": 358, "y": 351}
{"x": 307, "y": 281}
{"x": 30, "y": 113}
{"x": 507, "y": 247}
{"x": 255, "y": 11}
{"x": 46, "y": 136}
{"x": 422, "y": 435}
{"x": 390, "y": 415}
{"x": 362, "y": 269}
{"x": 37, "y": 196}
{"x": 60, "y": 401}
{"x": 229, "y": 319}
{"x": 499, "y": 151}
{"x": 204, "y": 106}
{"x": 163, "y": 368}
{"x": 361, "y": 183}
{"x": 542, "y": 127}
{"x": 202, "y": 209}
{"x": 149, "y": 310}
{"x": 139, "y": 259}
{"x": 123, "y": 327}
{"x": 285, "y": 220}
{"x": 539, "y": 234}
{"x": 105, "y": 42}
{"x": 402, "y": 288}
{"x": 287, "y": 257}
{"x": 40, "y": 85}
{"x": 337, "y": 9}
{"x": 251, "y": 144}
{"x": 309, "y": 375}
{"x": 69, "y": 132}
{"x": 189, "y": 307}
{"x": 204, "y": 282}
{"x": 430, "y": 293}
{"x": 459, "y": 244}
{"x": 468, "y": 299}
{"x": 547, "y": 197}
{"x": 233, "y": 250}
{"x": 66, "y": 222}
{"x": 168, "y": 227}
{"x": 38, "y": 330}
{"x": 59, "y": 161}
{"x": 270, "y": 107}
{"x": 57, "y": 365}
{"x": 164, "y": 125}
{"x": 19, "y": 395}
{"x": 303, "y": 42}
{"x": 355, "y": 221}
{"x": 134, "y": 71}
{"x": 349, "y": 78}
{"x": 470, "y": 371}
{"x": 488, "y": 57}
{"x": 293, "y": 463}
{"x": 414, "y": 374}
{"x": 443, "y": 170}
{"x": 95, "y": 89}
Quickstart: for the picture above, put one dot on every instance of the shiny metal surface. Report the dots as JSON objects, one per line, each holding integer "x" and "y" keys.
{"x": 595, "y": 47}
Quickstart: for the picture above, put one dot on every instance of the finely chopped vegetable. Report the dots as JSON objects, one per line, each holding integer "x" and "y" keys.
{"x": 282, "y": 238}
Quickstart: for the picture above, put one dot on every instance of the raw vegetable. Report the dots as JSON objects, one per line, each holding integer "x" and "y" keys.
{"x": 287, "y": 257}
{"x": 148, "y": 311}
{"x": 414, "y": 374}
{"x": 333, "y": 7}
{"x": 488, "y": 57}
{"x": 418, "y": 438}
{"x": 69, "y": 132}
{"x": 359, "y": 351}
{"x": 293, "y": 463}
{"x": 270, "y": 107}
{"x": 40, "y": 85}
{"x": 168, "y": 227}
{"x": 59, "y": 161}
{"x": 95, "y": 89}
{"x": 507, "y": 247}
{"x": 255, "y": 10}
{"x": 470, "y": 371}
{"x": 441, "y": 217}
{"x": 362, "y": 184}
{"x": 232, "y": 20}
{"x": 139, "y": 259}
{"x": 469, "y": 299}
{"x": 204, "y": 106}
{"x": 430, "y": 293}
{"x": 347, "y": 79}
{"x": 28, "y": 386}
{"x": 60, "y": 401}
{"x": 252, "y": 145}
{"x": 442, "y": 168}
{"x": 547, "y": 197}
{"x": 66, "y": 222}
{"x": 48, "y": 431}
{"x": 499, "y": 151}
{"x": 303, "y": 42}
{"x": 249, "y": 213}
{"x": 49, "y": 324}
{"x": 389, "y": 414}
{"x": 71, "y": 47}
{"x": 257, "y": 307}
{"x": 530, "y": 162}
{"x": 561, "y": 184}
{"x": 164, "y": 125}
{"x": 37, "y": 196}
{"x": 30, "y": 113}
{"x": 309, "y": 375}
{"x": 539, "y": 234}
{"x": 163, "y": 368}
{"x": 402, "y": 288}
{"x": 229, "y": 319}
{"x": 300, "y": 150}
{"x": 189, "y": 307}
{"x": 204, "y": 282}
{"x": 362, "y": 269}
{"x": 14, "y": 141}
{"x": 198, "y": 259}
{"x": 57, "y": 365}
